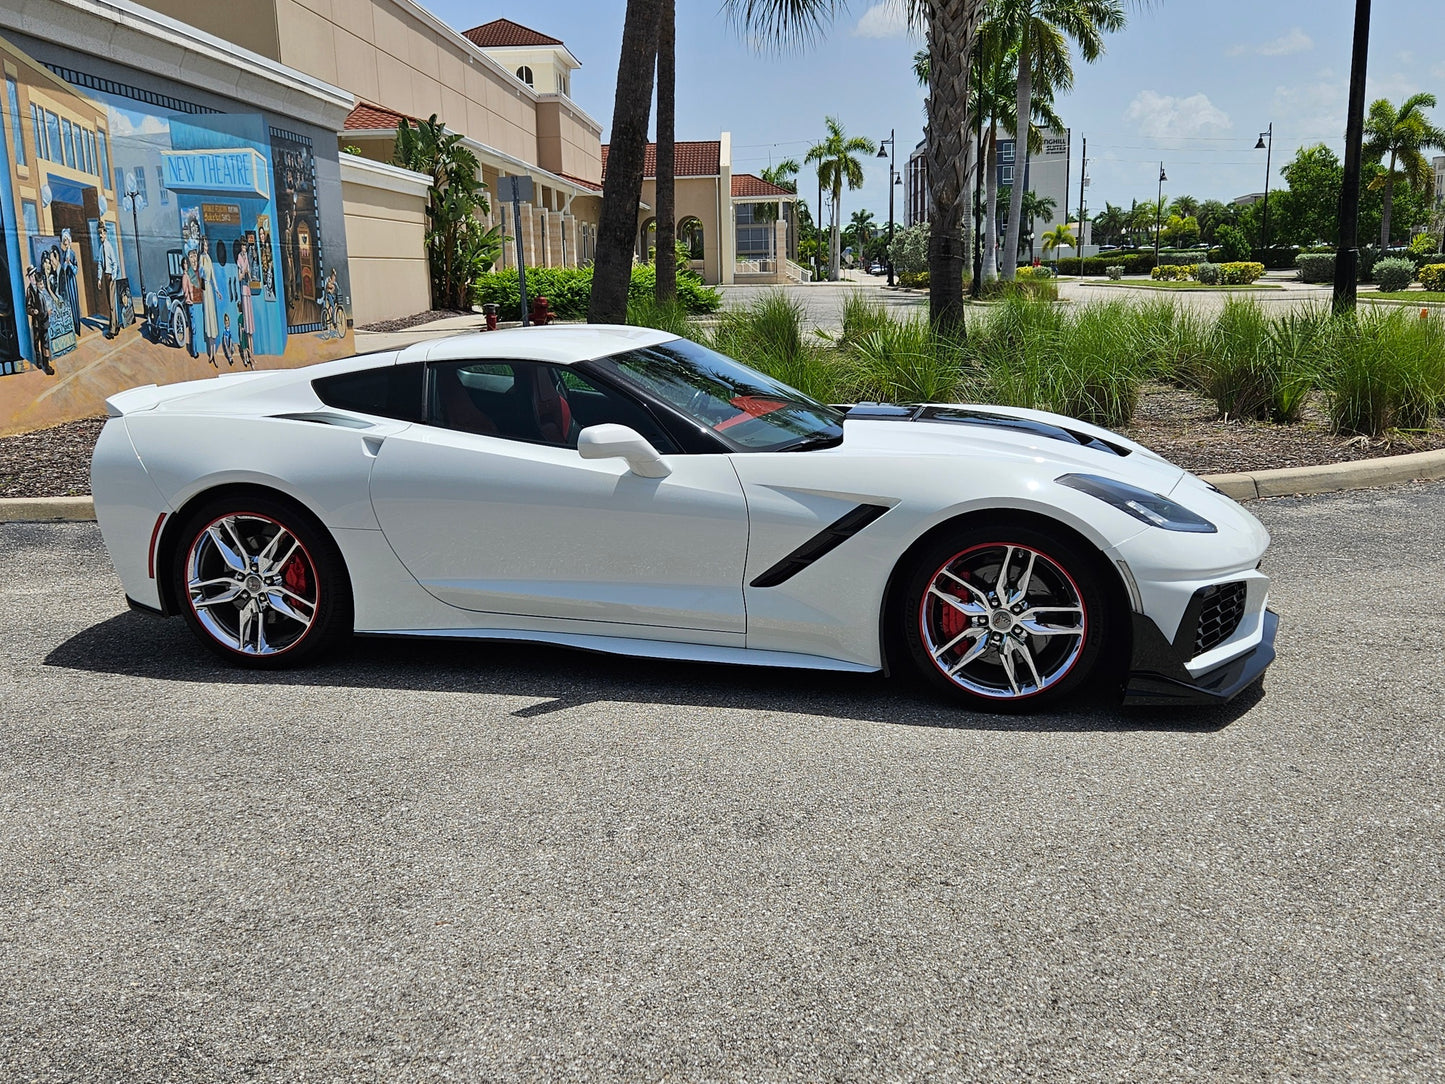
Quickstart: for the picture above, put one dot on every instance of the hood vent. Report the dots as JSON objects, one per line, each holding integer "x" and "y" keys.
{"x": 972, "y": 416}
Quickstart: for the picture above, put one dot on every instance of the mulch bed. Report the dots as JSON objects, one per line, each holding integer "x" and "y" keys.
{"x": 402, "y": 323}
{"x": 1179, "y": 425}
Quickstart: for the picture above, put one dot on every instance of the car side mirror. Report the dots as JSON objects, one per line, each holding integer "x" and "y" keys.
{"x": 611, "y": 441}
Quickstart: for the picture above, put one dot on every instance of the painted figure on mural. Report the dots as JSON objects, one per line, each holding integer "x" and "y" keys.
{"x": 70, "y": 276}
{"x": 246, "y": 320}
{"x": 37, "y": 308}
{"x": 193, "y": 290}
{"x": 107, "y": 271}
{"x": 209, "y": 299}
{"x": 263, "y": 255}
{"x": 225, "y": 291}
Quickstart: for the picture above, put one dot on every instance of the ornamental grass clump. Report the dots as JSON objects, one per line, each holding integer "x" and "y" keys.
{"x": 908, "y": 362}
{"x": 861, "y": 317}
{"x": 1239, "y": 373}
{"x": 768, "y": 335}
{"x": 1384, "y": 370}
{"x": 1298, "y": 343}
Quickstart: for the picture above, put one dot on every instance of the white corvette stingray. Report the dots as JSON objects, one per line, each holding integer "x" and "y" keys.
{"x": 623, "y": 490}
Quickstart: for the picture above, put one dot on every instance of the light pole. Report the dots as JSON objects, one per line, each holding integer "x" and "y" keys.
{"x": 1268, "y": 149}
{"x": 1159, "y": 212}
{"x": 892, "y": 155}
{"x": 1347, "y": 256}
{"x": 135, "y": 201}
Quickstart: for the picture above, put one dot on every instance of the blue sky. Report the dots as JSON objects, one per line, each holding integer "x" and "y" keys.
{"x": 1192, "y": 84}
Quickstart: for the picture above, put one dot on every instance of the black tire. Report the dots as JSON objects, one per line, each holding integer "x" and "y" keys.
{"x": 180, "y": 328}
{"x": 978, "y": 648}
{"x": 279, "y": 607}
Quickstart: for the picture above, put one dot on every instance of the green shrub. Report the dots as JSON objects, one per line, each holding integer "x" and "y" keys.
{"x": 1238, "y": 375}
{"x": 1185, "y": 256}
{"x": 906, "y": 362}
{"x": 671, "y": 316}
{"x": 1394, "y": 274}
{"x": 1432, "y": 277}
{"x": 1384, "y": 369}
{"x": 1115, "y": 271}
{"x": 1233, "y": 245}
{"x": 1240, "y": 274}
{"x": 1422, "y": 244}
{"x": 861, "y": 317}
{"x": 1042, "y": 289}
{"x": 1425, "y": 259}
{"x": 1276, "y": 257}
{"x": 1208, "y": 273}
{"x": 569, "y": 289}
{"x": 1041, "y": 272}
{"x": 1316, "y": 266}
{"x": 914, "y": 280}
{"x": 1172, "y": 272}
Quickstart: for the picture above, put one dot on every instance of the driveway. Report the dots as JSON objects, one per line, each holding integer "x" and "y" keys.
{"x": 465, "y": 862}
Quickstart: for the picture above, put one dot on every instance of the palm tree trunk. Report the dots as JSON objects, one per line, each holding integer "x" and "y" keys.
{"x": 1021, "y": 149}
{"x": 626, "y": 157}
{"x": 835, "y": 249}
{"x": 1388, "y": 202}
{"x": 666, "y": 152}
{"x": 952, "y": 25}
{"x": 990, "y": 205}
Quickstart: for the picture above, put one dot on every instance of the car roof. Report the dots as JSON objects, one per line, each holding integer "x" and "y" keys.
{"x": 560, "y": 344}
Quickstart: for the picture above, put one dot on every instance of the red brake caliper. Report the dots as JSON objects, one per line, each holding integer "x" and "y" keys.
{"x": 295, "y": 577}
{"x": 952, "y": 621}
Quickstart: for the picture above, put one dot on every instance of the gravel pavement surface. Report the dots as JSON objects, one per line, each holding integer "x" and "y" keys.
{"x": 474, "y": 863}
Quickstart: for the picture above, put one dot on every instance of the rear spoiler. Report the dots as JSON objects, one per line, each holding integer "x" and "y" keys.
{"x": 148, "y": 396}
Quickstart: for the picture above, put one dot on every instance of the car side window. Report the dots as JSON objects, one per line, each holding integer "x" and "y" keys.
{"x": 388, "y": 391}
{"x": 532, "y": 402}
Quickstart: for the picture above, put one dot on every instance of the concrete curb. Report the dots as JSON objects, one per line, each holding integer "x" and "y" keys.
{"x": 1245, "y": 486}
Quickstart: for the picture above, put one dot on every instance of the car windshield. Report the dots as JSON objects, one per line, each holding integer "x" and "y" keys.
{"x": 747, "y": 409}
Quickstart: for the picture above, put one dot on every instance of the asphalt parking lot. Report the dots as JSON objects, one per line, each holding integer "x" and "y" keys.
{"x": 461, "y": 862}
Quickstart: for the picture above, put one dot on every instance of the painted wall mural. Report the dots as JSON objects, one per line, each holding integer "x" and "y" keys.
{"x": 148, "y": 239}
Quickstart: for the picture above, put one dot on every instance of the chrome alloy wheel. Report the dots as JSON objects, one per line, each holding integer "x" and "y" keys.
{"x": 251, "y": 584}
{"x": 1003, "y": 621}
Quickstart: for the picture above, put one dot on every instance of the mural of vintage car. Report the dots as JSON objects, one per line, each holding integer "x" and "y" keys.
{"x": 166, "y": 320}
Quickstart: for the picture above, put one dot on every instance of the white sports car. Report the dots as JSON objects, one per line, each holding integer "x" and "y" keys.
{"x": 624, "y": 490}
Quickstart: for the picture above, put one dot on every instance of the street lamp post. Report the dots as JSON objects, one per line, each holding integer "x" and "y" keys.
{"x": 1268, "y": 149}
{"x": 1347, "y": 256}
{"x": 134, "y": 200}
{"x": 1159, "y": 212}
{"x": 892, "y": 156}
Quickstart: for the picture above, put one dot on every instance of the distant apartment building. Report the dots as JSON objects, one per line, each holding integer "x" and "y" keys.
{"x": 1438, "y": 164}
{"x": 1046, "y": 174}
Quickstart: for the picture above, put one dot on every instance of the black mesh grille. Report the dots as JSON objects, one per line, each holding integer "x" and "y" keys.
{"x": 1221, "y": 607}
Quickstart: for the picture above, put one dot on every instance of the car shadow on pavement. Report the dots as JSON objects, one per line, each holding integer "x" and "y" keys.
{"x": 562, "y": 679}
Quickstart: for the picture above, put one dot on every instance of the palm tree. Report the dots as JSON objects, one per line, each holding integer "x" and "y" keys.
{"x": 1402, "y": 135}
{"x": 1185, "y": 207}
{"x": 626, "y": 156}
{"x": 861, "y": 229}
{"x": 665, "y": 288}
{"x": 781, "y": 175}
{"x": 1036, "y": 206}
{"x": 950, "y": 26}
{"x": 1039, "y": 27}
{"x": 1110, "y": 224}
{"x": 1058, "y": 237}
{"x": 837, "y": 162}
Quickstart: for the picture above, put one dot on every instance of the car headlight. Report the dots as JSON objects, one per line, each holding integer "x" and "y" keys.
{"x": 1151, "y": 508}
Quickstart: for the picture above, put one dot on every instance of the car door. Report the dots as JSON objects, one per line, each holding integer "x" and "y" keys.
{"x": 492, "y": 509}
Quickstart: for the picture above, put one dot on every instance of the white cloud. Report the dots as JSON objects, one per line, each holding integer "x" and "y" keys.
{"x": 123, "y": 125}
{"x": 1294, "y": 41}
{"x": 1162, "y": 116}
{"x": 886, "y": 20}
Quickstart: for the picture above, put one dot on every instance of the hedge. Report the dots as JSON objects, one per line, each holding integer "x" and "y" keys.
{"x": 1239, "y": 273}
{"x": 1394, "y": 273}
{"x": 1276, "y": 257}
{"x": 1133, "y": 263}
{"x": 569, "y": 289}
{"x": 1320, "y": 266}
{"x": 1432, "y": 277}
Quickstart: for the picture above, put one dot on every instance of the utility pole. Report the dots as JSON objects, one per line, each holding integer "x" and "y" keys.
{"x": 1347, "y": 256}
{"x": 1083, "y": 173}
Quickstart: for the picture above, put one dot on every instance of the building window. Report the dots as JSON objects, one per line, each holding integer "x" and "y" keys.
{"x": 53, "y": 146}
{"x": 161, "y": 184}
{"x": 31, "y": 215}
{"x": 1006, "y": 174}
{"x": 689, "y": 232}
{"x": 12, "y": 99}
{"x": 1006, "y": 151}
{"x": 104, "y": 157}
{"x": 566, "y": 85}
{"x": 68, "y": 136}
{"x": 524, "y": 73}
{"x": 37, "y": 125}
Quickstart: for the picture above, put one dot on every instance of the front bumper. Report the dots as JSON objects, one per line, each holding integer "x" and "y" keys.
{"x": 1157, "y": 673}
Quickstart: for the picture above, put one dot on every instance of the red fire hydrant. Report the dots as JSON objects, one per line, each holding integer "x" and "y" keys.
{"x": 540, "y": 313}
{"x": 489, "y": 310}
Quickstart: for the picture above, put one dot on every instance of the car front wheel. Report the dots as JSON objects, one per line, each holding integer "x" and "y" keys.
{"x": 261, "y": 585}
{"x": 1005, "y": 618}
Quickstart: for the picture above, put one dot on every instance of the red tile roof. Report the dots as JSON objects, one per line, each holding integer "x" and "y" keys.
{"x": 367, "y": 117}
{"x": 746, "y": 184}
{"x": 582, "y": 182}
{"x": 501, "y": 33}
{"x": 698, "y": 158}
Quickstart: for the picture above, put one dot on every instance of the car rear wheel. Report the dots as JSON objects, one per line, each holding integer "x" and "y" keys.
{"x": 1006, "y": 618}
{"x": 261, "y": 585}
